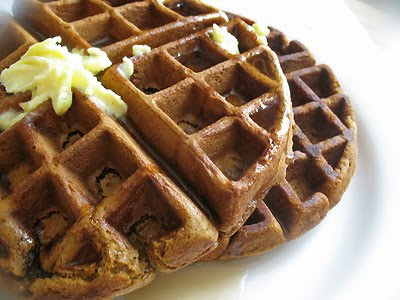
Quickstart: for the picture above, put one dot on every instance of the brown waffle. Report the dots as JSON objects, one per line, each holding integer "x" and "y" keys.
{"x": 323, "y": 162}
{"x": 214, "y": 117}
{"x": 86, "y": 212}
{"x": 115, "y": 25}
{"x": 267, "y": 141}
{"x": 18, "y": 41}
{"x": 81, "y": 201}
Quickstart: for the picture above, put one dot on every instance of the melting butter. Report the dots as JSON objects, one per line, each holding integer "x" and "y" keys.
{"x": 97, "y": 60}
{"x": 107, "y": 101}
{"x": 139, "y": 50}
{"x": 262, "y": 31}
{"x": 126, "y": 68}
{"x": 224, "y": 39}
{"x": 9, "y": 118}
{"x": 50, "y": 71}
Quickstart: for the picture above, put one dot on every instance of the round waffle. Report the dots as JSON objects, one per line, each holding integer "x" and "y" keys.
{"x": 91, "y": 205}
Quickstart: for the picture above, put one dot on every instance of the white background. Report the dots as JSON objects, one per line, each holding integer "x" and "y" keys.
{"x": 354, "y": 252}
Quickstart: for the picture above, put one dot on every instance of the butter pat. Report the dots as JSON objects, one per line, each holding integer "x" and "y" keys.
{"x": 9, "y": 118}
{"x": 139, "y": 50}
{"x": 50, "y": 71}
{"x": 97, "y": 60}
{"x": 108, "y": 101}
{"x": 262, "y": 31}
{"x": 126, "y": 68}
{"x": 224, "y": 39}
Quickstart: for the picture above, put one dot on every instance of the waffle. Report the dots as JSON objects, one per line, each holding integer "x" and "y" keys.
{"x": 19, "y": 42}
{"x": 115, "y": 25}
{"x": 91, "y": 207}
{"x": 85, "y": 213}
{"x": 215, "y": 118}
{"x": 81, "y": 202}
{"x": 267, "y": 141}
{"x": 321, "y": 166}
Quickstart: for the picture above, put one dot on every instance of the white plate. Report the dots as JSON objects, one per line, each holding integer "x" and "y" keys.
{"x": 353, "y": 253}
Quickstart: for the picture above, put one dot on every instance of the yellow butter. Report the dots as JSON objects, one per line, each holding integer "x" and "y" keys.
{"x": 262, "y": 31}
{"x": 9, "y": 118}
{"x": 224, "y": 39}
{"x": 97, "y": 60}
{"x": 139, "y": 50}
{"x": 126, "y": 68}
{"x": 50, "y": 71}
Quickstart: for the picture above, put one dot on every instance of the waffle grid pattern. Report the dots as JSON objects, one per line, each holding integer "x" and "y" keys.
{"x": 215, "y": 110}
{"x": 50, "y": 192}
{"x": 78, "y": 214}
{"x": 74, "y": 214}
{"x": 40, "y": 210}
{"x": 115, "y": 25}
{"x": 322, "y": 164}
{"x": 248, "y": 41}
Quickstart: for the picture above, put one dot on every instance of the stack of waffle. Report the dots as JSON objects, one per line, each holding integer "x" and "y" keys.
{"x": 210, "y": 161}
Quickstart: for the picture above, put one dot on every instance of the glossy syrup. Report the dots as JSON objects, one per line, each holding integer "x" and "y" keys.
{"x": 196, "y": 59}
{"x": 189, "y": 127}
{"x": 182, "y": 8}
{"x": 235, "y": 97}
{"x": 231, "y": 165}
{"x": 104, "y": 41}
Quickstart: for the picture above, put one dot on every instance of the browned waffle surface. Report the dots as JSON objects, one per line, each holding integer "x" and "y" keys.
{"x": 214, "y": 117}
{"x": 85, "y": 212}
{"x": 322, "y": 164}
{"x": 15, "y": 42}
{"x": 115, "y": 25}
{"x": 234, "y": 121}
